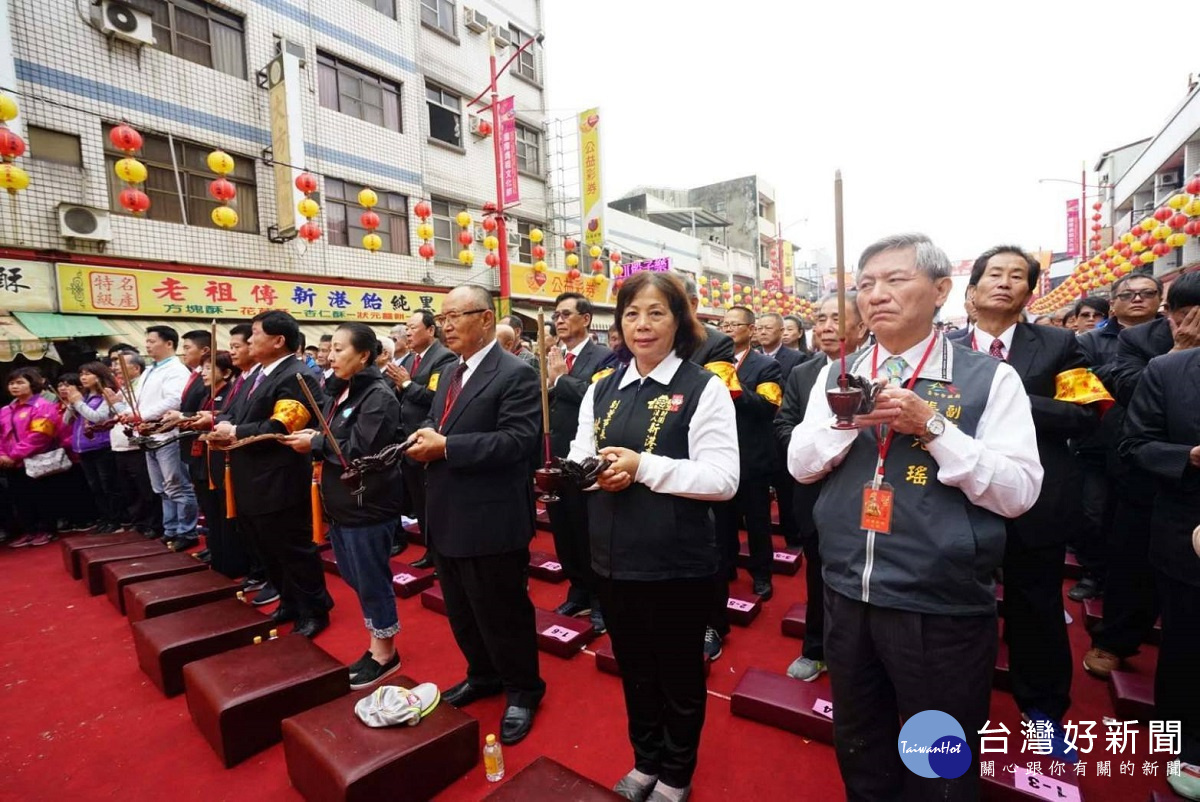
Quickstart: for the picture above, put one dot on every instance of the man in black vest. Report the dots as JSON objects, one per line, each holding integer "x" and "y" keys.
{"x": 770, "y": 337}
{"x": 570, "y": 372}
{"x": 1035, "y": 629}
{"x": 415, "y": 389}
{"x": 271, "y": 481}
{"x": 480, "y": 445}
{"x": 912, "y": 523}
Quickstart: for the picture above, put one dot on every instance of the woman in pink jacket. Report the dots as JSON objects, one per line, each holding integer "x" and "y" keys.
{"x": 29, "y": 425}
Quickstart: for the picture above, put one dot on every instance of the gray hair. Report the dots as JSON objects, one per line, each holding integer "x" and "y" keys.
{"x": 930, "y": 258}
{"x": 387, "y": 347}
{"x": 851, "y": 302}
{"x": 689, "y": 285}
{"x": 775, "y": 315}
{"x": 135, "y": 359}
{"x": 481, "y": 295}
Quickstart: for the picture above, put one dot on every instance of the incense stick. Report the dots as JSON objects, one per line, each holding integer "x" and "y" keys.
{"x": 839, "y": 234}
{"x": 545, "y": 378}
{"x": 321, "y": 419}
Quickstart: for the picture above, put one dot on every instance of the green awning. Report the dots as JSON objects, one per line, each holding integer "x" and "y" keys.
{"x": 52, "y": 326}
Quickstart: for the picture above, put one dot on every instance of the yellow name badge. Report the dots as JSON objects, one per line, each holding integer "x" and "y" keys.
{"x": 433, "y": 382}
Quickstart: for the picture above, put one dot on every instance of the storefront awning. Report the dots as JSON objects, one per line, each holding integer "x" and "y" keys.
{"x": 16, "y": 339}
{"x": 53, "y": 326}
{"x": 132, "y": 331}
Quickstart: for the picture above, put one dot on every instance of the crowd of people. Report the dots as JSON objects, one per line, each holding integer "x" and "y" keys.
{"x": 976, "y": 454}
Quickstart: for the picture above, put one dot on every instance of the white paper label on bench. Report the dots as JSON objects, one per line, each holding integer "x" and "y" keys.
{"x": 404, "y": 579}
{"x": 823, "y": 709}
{"x": 738, "y": 604}
{"x": 550, "y": 565}
{"x": 1044, "y": 787}
{"x": 560, "y": 633}
{"x": 785, "y": 557}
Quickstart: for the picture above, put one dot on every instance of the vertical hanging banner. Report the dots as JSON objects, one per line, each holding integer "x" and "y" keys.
{"x": 789, "y": 268}
{"x": 1073, "y": 227}
{"x": 508, "y": 152}
{"x": 592, "y": 195}
{"x": 287, "y": 137}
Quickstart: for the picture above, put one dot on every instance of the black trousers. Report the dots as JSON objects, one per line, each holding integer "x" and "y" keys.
{"x": 814, "y": 615}
{"x": 100, "y": 471}
{"x": 572, "y": 545}
{"x": 1175, "y": 697}
{"x": 1091, "y": 540}
{"x": 134, "y": 477}
{"x": 229, "y": 554}
{"x": 657, "y": 631}
{"x": 413, "y": 474}
{"x": 785, "y": 486}
{"x": 492, "y": 619}
{"x": 1131, "y": 604}
{"x": 36, "y": 502}
{"x": 887, "y": 665}
{"x": 751, "y": 507}
{"x": 1035, "y": 629}
{"x": 283, "y": 539}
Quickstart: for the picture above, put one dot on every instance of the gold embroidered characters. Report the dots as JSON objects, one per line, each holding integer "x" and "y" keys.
{"x": 917, "y": 475}
{"x": 601, "y": 426}
{"x": 660, "y": 407}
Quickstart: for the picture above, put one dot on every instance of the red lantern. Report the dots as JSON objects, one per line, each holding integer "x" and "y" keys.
{"x": 310, "y": 231}
{"x": 1178, "y": 221}
{"x": 1193, "y": 185}
{"x": 597, "y": 267}
{"x": 539, "y": 252}
{"x": 1097, "y": 205}
{"x": 489, "y": 224}
{"x": 11, "y": 145}
{"x": 222, "y": 189}
{"x": 485, "y": 128}
{"x": 1096, "y": 217}
{"x": 125, "y": 138}
{"x": 570, "y": 245}
{"x": 422, "y": 210}
{"x": 426, "y": 251}
{"x": 489, "y": 207}
{"x": 1162, "y": 214}
{"x": 369, "y": 220}
{"x": 1148, "y": 240}
{"x": 1161, "y": 249}
{"x": 491, "y": 260}
{"x": 307, "y": 183}
{"x": 573, "y": 274}
{"x": 615, "y": 257}
{"x": 465, "y": 239}
{"x": 1192, "y": 228}
{"x": 1137, "y": 231}
{"x": 134, "y": 200}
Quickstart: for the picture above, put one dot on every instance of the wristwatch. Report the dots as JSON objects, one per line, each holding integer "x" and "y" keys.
{"x": 934, "y": 428}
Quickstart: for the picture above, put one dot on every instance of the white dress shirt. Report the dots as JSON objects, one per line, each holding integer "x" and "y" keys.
{"x": 998, "y": 469}
{"x": 266, "y": 371}
{"x": 712, "y": 471}
{"x": 577, "y": 350}
{"x": 982, "y": 341}
{"x": 161, "y": 389}
{"x": 475, "y": 359}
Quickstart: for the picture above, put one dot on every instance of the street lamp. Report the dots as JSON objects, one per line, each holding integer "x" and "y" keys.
{"x": 498, "y": 211}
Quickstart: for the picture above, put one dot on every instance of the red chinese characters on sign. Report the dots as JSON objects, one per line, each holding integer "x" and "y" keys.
{"x": 219, "y": 291}
{"x": 264, "y": 294}
{"x": 508, "y": 152}
{"x": 117, "y": 291}
{"x": 171, "y": 288}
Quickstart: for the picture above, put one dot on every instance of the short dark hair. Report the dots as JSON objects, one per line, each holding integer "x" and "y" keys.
{"x": 1033, "y": 266}
{"x": 277, "y": 323}
{"x": 795, "y": 319}
{"x": 166, "y": 334}
{"x": 427, "y": 318}
{"x": 363, "y": 339}
{"x": 120, "y": 347}
{"x": 101, "y": 372}
{"x": 616, "y": 327}
{"x": 314, "y": 349}
{"x": 37, "y": 382}
{"x": 199, "y": 337}
{"x": 515, "y": 322}
{"x": 582, "y": 305}
{"x": 326, "y": 338}
{"x": 70, "y": 378}
{"x": 224, "y": 361}
{"x": 1091, "y": 302}
{"x": 303, "y": 342}
{"x": 244, "y": 330}
{"x": 1184, "y": 292}
{"x": 689, "y": 334}
{"x": 1123, "y": 280}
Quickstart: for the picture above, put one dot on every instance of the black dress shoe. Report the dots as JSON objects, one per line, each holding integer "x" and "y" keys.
{"x": 282, "y": 616}
{"x": 425, "y": 562}
{"x": 573, "y": 609}
{"x": 516, "y": 724}
{"x": 311, "y": 627}
{"x": 763, "y": 589}
{"x": 464, "y": 693}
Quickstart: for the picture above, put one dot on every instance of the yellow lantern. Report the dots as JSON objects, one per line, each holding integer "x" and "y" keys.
{"x": 372, "y": 242}
{"x": 131, "y": 171}
{"x": 8, "y": 108}
{"x": 425, "y": 231}
{"x": 368, "y": 198}
{"x": 220, "y": 162}
{"x": 1149, "y": 224}
{"x": 1192, "y": 209}
{"x": 539, "y": 266}
{"x": 464, "y": 219}
{"x": 490, "y": 242}
{"x": 308, "y": 208}
{"x": 595, "y": 251}
{"x": 1149, "y": 256}
{"x": 737, "y": 299}
{"x": 1178, "y": 200}
{"x": 1137, "y": 246}
{"x": 1162, "y": 232}
{"x": 13, "y": 178}
{"x": 536, "y": 236}
{"x": 224, "y": 217}
{"x": 572, "y": 260}
{"x": 1177, "y": 240}
{"x": 725, "y": 286}
{"x": 466, "y": 256}
{"x": 1127, "y": 238}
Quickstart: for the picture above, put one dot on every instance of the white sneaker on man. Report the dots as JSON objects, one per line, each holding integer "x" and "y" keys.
{"x": 805, "y": 669}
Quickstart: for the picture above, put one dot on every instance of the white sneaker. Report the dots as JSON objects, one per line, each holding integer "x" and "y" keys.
{"x": 391, "y": 705}
{"x": 805, "y": 669}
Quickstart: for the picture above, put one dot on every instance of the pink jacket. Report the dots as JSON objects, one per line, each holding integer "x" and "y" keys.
{"x": 29, "y": 429}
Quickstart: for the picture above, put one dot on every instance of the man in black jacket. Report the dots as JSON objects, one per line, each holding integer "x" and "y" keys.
{"x": 415, "y": 389}
{"x": 770, "y": 337}
{"x": 1034, "y": 623}
{"x": 480, "y": 445}
{"x": 271, "y": 481}
{"x": 570, "y": 372}
{"x": 717, "y": 347}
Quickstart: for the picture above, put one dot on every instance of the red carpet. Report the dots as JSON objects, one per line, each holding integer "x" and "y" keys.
{"x": 80, "y": 721}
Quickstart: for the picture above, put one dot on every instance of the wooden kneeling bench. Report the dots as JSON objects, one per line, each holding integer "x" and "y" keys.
{"x": 92, "y": 561}
{"x": 74, "y": 546}
{"x": 163, "y": 596}
{"x": 333, "y": 757}
{"x": 126, "y": 573}
{"x": 777, "y": 700}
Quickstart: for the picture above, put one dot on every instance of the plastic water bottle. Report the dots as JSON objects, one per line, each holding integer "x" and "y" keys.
{"x": 493, "y": 760}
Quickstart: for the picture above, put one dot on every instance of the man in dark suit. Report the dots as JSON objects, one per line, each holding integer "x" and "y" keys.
{"x": 480, "y": 446}
{"x": 717, "y": 347}
{"x": 1162, "y": 437}
{"x": 1034, "y": 625}
{"x": 797, "y": 389}
{"x": 770, "y": 337}
{"x": 271, "y": 481}
{"x": 570, "y": 372}
{"x": 415, "y": 386}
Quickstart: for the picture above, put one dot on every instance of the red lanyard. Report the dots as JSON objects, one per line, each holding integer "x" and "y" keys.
{"x": 885, "y": 443}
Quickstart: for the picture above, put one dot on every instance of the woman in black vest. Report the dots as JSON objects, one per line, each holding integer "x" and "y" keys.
{"x": 364, "y": 417}
{"x": 668, "y": 430}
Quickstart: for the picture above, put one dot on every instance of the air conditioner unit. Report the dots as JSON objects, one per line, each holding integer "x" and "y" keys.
{"x": 84, "y": 222}
{"x": 474, "y": 20}
{"x": 479, "y": 126}
{"x": 124, "y": 21}
{"x": 501, "y": 36}
{"x": 1171, "y": 179}
{"x": 514, "y": 238}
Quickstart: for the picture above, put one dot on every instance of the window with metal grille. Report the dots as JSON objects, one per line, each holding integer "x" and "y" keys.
{"x": 342, "y": 213}
{"x": 526, "y": 63}
{"x": 438, "y": 14}
{"x": 382, "y": 6}
{"x": 445, "y": 231}
{"x": 529, "y": 149}
{"x": 173, "y": 190}
{"x": 445, "y": 115}
{"x": 201, "y": 33}
{"x": 54, "y": 146}
{"x": 358, "y": 92}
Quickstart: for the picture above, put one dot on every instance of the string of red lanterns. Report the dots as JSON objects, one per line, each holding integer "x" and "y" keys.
{"x": 221, "y": 188}
{"x": 310, "y": 232}
{"x": 12, "y": 178}
{"x": 369, "y": 219}
{"x": 127, "y": 140}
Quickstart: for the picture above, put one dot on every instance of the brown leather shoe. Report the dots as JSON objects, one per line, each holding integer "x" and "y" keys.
{"x": 1100, "y": 663}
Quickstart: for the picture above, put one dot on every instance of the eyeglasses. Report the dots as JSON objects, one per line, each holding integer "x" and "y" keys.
{"x": 454, "y": 317}
{"x": 1089, "y": 316}
{"x": 564, "y": 314}
{"x": 1129, "y": 295}
{"x": 729, "y": 324}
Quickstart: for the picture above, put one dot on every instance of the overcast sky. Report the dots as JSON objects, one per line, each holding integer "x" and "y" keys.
{"x": 941, "y": 116}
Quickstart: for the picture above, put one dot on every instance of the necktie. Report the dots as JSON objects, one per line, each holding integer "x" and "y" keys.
{"x": 258, "y": 377}
{"x": 570, "y": 361}
{"x": 416, "y": 365}
{"x": 997, "y": 349}
{"x": 453, "y": 391}
{"x": 893, "y": 368}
